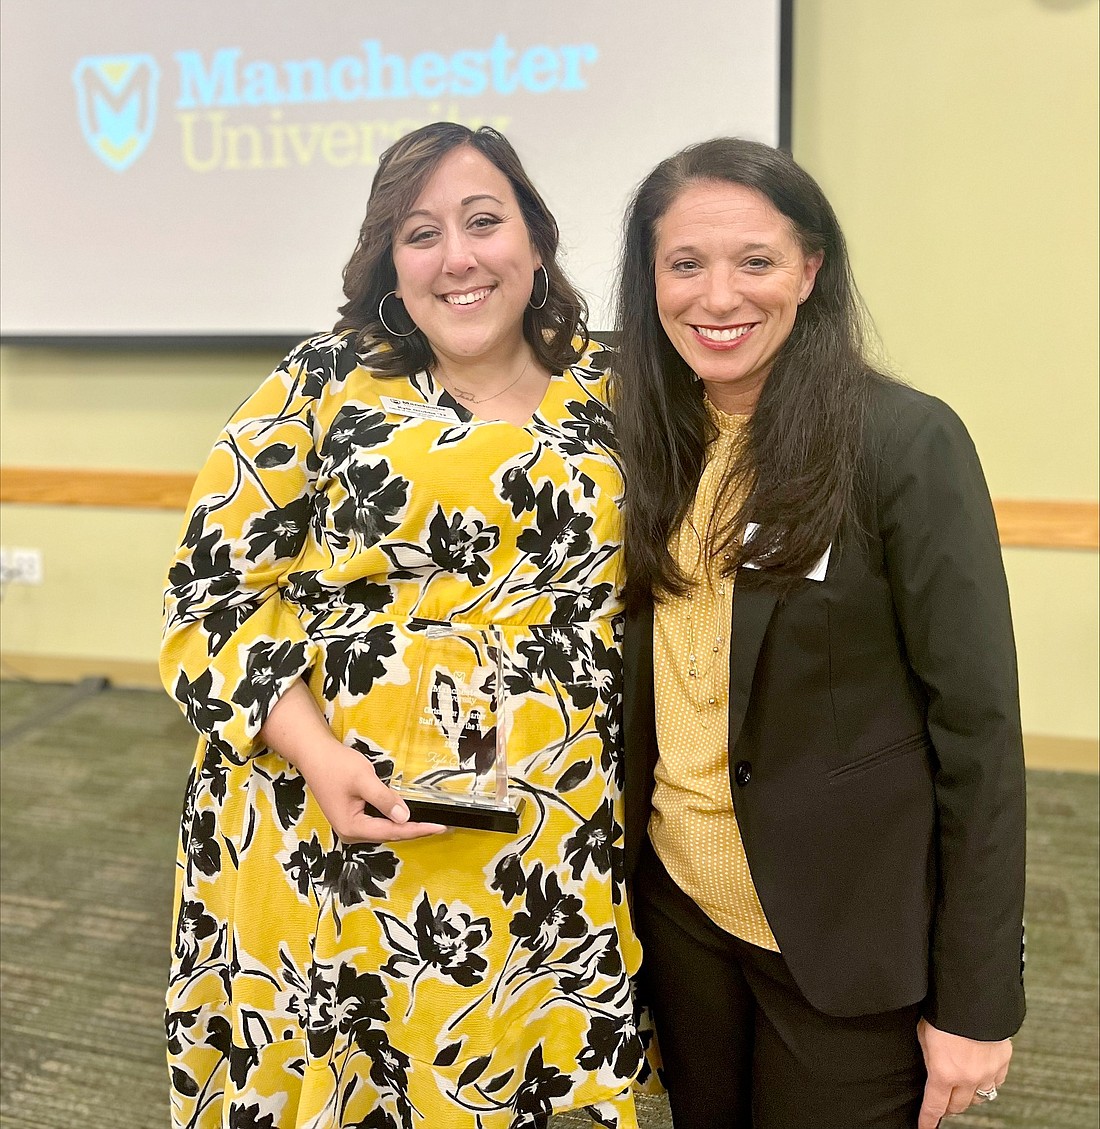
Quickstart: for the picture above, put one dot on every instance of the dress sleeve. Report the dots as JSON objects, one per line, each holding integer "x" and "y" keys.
{"x": 947, "y": 577}
{"x": 232, "y": 645}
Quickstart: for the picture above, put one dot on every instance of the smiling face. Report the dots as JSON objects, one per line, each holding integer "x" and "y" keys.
{"x": 465, "y": 263}
{"x": 729, "y": 273}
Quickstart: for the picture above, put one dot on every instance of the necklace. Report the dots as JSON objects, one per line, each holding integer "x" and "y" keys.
{"x": 705, "y": 677}
{"x": 468, "y": 397}
{"x": 702, "y": 576}
{"x": 708, "y": 601}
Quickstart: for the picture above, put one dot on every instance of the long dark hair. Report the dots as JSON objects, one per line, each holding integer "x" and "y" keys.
{"x": 797, "y": 470}
{"x": 405, "y": 167}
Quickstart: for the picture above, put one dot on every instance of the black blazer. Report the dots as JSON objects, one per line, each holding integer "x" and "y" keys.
{"x": 876, "y": 761}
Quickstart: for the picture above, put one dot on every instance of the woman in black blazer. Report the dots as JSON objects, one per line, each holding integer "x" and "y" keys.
{"x": 824, "y": 767}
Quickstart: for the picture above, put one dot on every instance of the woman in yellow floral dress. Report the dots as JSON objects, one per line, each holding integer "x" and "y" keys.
{"x": 445, "y": 456}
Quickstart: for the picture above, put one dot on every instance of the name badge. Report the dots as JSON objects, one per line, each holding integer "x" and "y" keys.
{"x": 415, "y": 410}
{"x": 815, "y": 573}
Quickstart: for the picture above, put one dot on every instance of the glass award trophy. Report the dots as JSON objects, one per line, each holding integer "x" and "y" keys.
{"x": 452, "y": 765}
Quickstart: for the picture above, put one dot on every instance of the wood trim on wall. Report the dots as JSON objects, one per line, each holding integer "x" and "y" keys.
{"x": 1047, "y": 524}
{"x": 125, "y": 489}
{"x": 1034, "y": 523}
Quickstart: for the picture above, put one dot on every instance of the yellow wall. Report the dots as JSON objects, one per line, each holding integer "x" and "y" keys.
{"x": 957, "y": 140}
{"x": 104, "y": 569}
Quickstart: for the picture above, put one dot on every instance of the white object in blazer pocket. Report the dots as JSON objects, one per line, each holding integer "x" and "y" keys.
{"x": 815, "y": 573}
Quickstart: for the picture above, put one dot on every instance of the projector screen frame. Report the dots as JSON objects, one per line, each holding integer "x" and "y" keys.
{"x": 282, "y": 342}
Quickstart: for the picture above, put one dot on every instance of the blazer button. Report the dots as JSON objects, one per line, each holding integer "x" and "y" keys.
{"x": 742, "y": 772}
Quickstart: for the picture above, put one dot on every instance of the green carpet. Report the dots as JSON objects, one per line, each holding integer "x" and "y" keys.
{"x": 92, "y": 784}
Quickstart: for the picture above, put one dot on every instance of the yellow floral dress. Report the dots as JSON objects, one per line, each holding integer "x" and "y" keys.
{"x": 473, "y": 979}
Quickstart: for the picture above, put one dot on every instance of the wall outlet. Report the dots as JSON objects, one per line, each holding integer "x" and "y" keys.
{"x": 21, "y": 566}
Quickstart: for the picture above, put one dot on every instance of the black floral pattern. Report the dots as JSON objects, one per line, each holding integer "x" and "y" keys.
{"x": 461, "y": 544}
{"x": 329, "y": 534}
{"x": 355, "y": 429}
{"x": 204, "y": 576}
{"x": 277, "y": 455}
{"x": 389, "y": 1068}
{"x": 608, "y": 663}
{"x": 374, "y": 498}
{"x": 350, "y": 1004}
{"x": 269, "y": 665}
{"x": 353, "y": 662}
{"x": 458, "y": 545}
{"x": 204, "y": 850}
{"x": 250, "y": 1117}
{"x": 591, "y": 426}
{"x": 282, "y": 531}
{"x": 308, "y": 865}
{"x": 549, "y": 915}
{"x": 594, "y": 843}
{"x": 562, "y": 657}
{"x": 294, "y": 993}
{"x": 289, "y": 791}
{"x": 581, "y": 606}
{"x": 203, "y": 710}
{"x": 560, "y": 532}
{"x": 193, "y": 926}
{"x": 308, "y": 591}
{"x": 444, "y": 937}
{"x": 177, "y": 1028}
{"x": 541, "y": 1084}
{"x": 613, "y": 1041}
{"x": 595, "y": 959}
{"x": 509, "y": 878}
{"x": 222, "y": 624}
{"x": 365, "y": 871}
{"x": 376, "y": 1119}
{"x": 516, "y": 489}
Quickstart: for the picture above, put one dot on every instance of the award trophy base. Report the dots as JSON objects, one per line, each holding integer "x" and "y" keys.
{"x": 427, "y": 805}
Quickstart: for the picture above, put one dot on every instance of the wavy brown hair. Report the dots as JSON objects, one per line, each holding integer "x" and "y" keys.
{"x": 404, "y": 169}
{"x": 798, "y": 470}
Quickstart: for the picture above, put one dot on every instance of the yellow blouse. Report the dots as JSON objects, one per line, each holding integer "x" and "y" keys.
{"x": 693, "y": 827}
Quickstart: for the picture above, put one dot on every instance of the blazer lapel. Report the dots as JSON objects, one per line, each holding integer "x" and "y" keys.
{"x": 753, "y": 605}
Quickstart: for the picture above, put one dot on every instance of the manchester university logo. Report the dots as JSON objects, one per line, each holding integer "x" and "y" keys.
{"x": 116, "y": 96}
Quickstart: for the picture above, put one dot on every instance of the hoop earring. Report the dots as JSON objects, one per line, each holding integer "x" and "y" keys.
{"x": 382, "y": 317}
{"x": 545, "y": 293}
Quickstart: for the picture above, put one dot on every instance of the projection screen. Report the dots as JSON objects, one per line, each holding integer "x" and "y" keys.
{"x": 201, "y": 170}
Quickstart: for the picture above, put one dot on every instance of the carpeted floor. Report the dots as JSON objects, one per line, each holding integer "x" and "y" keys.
{"x": 92, "y": 785}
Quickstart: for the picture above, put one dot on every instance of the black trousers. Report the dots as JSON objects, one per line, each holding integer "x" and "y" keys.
{"x": 742, "y": 1047}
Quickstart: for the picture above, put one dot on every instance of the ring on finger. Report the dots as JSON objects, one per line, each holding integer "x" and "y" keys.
{"x": 987, "y": 1095}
